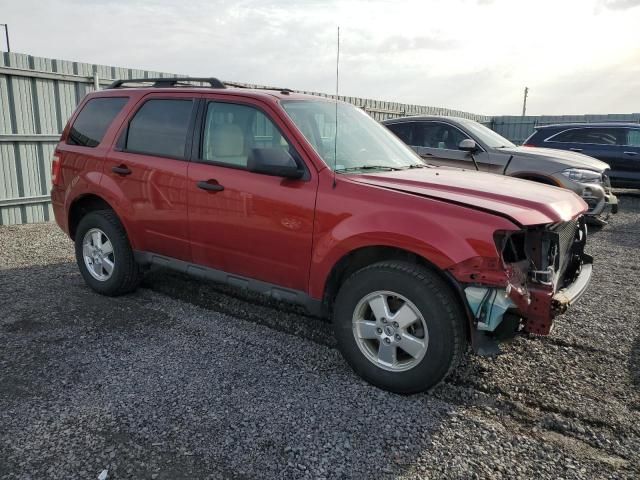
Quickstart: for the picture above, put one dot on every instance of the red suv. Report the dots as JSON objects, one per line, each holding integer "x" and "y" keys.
{"x": 255, "y": 189}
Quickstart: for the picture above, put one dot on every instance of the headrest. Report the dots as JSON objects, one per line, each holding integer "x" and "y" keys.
{"x": 228, "y": 141}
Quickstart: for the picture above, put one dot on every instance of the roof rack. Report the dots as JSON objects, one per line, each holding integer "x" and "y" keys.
{"x": 184, "y": 82}
{"x": 255, "y": 87}
{"x": 170, "y": 82}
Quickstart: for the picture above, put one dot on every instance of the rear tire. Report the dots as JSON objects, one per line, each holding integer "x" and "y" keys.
{"x": 426, "y": 348}
{"x": 104, "y": 255}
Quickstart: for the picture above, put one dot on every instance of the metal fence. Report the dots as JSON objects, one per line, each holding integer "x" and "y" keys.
{"x": 38, "y": 95}
{"x": 518, "y": 128}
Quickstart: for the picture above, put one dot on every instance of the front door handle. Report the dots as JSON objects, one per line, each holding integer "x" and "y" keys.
{"x": 121, "y": 170}
{"x": 575, "y": 149}
{"x": 426, "y": 154}
{"x": 631, "y": 153}
{"x": 210, "y": 185}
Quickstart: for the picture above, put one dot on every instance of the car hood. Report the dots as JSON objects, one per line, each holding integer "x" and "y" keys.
{"x": 564, "y": 157}
{"x": 522, "y": 201}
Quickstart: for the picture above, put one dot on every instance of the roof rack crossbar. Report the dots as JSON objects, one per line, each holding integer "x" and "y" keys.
{"x": 258, "y": 87}
{"x": 169, "y": 81}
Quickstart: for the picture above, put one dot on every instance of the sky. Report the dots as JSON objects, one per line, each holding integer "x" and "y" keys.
{"x": 576, "y": 56}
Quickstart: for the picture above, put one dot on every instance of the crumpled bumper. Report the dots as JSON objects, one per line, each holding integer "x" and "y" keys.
{"x": 545, "y": 304}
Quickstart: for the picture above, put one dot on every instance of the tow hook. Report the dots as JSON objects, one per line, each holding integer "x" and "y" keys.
{"x": 544, "y": 277}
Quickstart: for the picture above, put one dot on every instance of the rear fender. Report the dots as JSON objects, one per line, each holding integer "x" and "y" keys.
{"x": 93, "y": 183}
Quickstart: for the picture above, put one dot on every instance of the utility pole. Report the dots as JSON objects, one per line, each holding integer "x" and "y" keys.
{"x": 524, "y": 103}
{"x": 6, "y": 35}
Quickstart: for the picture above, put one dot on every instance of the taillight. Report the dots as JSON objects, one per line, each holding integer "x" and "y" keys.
{"x": 55, "y": 170}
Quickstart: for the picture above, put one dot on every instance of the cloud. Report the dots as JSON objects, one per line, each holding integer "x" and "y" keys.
{"x": 470, "y": 55}
{"x": 620, "y": 4}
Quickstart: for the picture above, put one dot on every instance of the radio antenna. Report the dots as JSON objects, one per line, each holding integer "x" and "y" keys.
{"x": 335, "y": 137}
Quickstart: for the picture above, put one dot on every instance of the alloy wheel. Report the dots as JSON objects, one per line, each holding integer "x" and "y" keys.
{"x": 97, "y": 251}
{"x": 390, "y": 331}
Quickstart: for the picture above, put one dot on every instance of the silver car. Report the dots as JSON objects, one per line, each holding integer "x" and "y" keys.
{"x": 462, "y": 143}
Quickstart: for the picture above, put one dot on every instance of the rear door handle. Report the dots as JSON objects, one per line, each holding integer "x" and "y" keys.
{"x": 121, "y": 170}
{"x": 210, "y": 186}
{"x": 575, "y": 149}
{"x": 631, "y": 153}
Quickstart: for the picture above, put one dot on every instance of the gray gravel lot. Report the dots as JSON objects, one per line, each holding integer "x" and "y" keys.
{"x": 186, "y": 379}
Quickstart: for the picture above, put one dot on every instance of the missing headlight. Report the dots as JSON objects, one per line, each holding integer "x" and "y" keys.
{"x": 512, "y": 246}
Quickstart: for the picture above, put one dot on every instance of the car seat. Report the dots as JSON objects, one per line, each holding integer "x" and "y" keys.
{"x": 227, "y": 145}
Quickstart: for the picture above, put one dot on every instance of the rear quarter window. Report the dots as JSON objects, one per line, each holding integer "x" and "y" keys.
{"x": 94, "y": 119}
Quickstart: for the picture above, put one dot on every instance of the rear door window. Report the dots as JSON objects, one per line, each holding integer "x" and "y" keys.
{"x": 93, "y": 121}
{"x": 404, "y": 131}
{"x": 160, "y": 128}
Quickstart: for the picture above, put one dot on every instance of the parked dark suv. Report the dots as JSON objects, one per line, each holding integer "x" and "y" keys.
{"x": 253, "y": 188}
{"x": 459, "y": 142}
{"x": 618, "y": 144}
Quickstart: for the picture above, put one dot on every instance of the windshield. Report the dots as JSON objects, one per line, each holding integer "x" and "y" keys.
{"x": 363, "y": 144}
{"x": 487, "y": 136}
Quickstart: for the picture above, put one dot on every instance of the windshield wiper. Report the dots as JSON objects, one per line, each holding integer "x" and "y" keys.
{"x": 417, "y": 165}
{"x": 367, "y": 167}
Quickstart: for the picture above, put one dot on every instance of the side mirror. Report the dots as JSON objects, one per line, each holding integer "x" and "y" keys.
{"x": 273, "y": 161}
{"x": 468, "y": 145}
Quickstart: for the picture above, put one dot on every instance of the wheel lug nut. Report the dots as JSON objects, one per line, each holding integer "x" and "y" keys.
{"x": 387, "y": 340}
{"x": 398, "y": 337}
{"x": 379, "y": 330}
{"x": 395, "y": 324}
{"x": 384, "y": 320}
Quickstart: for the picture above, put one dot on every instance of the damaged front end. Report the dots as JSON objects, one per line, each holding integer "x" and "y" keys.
{"x": 541, "y": 271}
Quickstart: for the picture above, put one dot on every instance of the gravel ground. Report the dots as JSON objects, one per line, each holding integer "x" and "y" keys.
{"x": 187, "y": 380}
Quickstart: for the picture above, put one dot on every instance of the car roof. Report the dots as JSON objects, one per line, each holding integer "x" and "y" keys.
{"x": 588, "y": 124}
{"x": 413, "y": 118}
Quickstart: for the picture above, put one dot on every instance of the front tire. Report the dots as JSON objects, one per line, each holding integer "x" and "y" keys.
{"x": 399, "y": 326}
{"x": 104, "y": 255}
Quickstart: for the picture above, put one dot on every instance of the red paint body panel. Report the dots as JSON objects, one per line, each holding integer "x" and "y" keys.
{"x": 156, "y": 209}
{"x": 293, "y": 232}
{"x": 528, "y": 203}
{"x": 355, "y": 215}
{"x": 259, "y": 226}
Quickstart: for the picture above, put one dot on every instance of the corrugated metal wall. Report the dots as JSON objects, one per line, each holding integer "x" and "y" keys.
{"x": 38, "y": 95}
{"x": 518, "y": 128}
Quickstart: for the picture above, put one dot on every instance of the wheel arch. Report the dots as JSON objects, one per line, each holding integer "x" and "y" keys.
{"x": 362, "y": 257}
{"x": 83, "y": 205}
{"x": 537, "y": 177}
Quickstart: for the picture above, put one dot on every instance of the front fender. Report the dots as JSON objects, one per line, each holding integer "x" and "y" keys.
{"x": 526, "y": 168}
{"x": 429, "y": 234}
